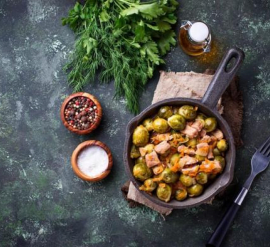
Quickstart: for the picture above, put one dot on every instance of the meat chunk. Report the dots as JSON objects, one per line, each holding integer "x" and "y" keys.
{"x": 198, "y": 125}
{"x": 190, "y": 131}
{"x": 211, "y": 166}
{"x": 203, "y": 133}
{"x": 187, "y": 160}
{"x": 152, "y": 159}
{"x": 185, "y": 150}
{"x": 191, "y": 171}
{"x": 218, "y": 134}
{"x": 157, "y": 138}
{"x": 162, "y": 147}
{"x": 210, "y": 153}
{"x": 206, "y": 139}
{"x": 202, "y": 149}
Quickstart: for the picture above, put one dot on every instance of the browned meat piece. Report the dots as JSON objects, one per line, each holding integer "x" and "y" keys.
{"x": 198, "y": 125}
{"x": 202, "y": 149}
{"x": 218, "y": 134}
{"x": 203, "y": 133}
{"x": 162, "y": 147}
{"x": 185, "y": 150}
{"x": 152, "y": 159}
{"x": 191, "y": 171}
{"x": 190, "y": 132}
{"x": 206, "y": 139}
{"x": 187, "y": 160}
{"x": 157, "y": 138}
{"x": 211, "y": 166}
{"x": 210, "y": 153}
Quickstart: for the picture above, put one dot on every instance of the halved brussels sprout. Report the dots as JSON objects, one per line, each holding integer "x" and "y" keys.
{"x": 221, "y": 160}
{"x": 177, "y": 122}
{"x": 149, "y": 185}
{"x": 141, "y": 171}
{"x": 192, "y": 143}
{"x": 148, "y": 124}
{"x": 189, "y": 112}
{"x": 222, "y": 145}
{"x": 165, "y": 112}
{"x": 169, "y": 176}
{"x": 175, "y": 158}
{"x": 195, "y": 190}
{"x": 140, "y": 136}
{"x": 210, "y": 124}
{"x": 201, "y": 116}
{"x": 134, "y": 152}
{"x": 164, "y": 192}
{"x": 181, "y": 194}
{"x": 200, "y": 158}
{"x": 216, "y": 152}
{"x": 140, "y": 160}
{"x": 202, "y": 178}
{"x": 160, "y": 125}
{"x": 187, "y": 180}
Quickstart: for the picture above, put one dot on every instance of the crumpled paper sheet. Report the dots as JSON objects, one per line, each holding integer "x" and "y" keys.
{"x": 186, "y": 85}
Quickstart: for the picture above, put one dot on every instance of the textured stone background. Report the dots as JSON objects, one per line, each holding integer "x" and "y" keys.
{"x": 42, "y": 202}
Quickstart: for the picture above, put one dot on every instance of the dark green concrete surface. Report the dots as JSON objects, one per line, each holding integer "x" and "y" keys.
{"x": 42, "y": 202}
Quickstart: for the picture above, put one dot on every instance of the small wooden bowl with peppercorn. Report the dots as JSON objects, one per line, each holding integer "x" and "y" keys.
{"x": 81, "y": 113}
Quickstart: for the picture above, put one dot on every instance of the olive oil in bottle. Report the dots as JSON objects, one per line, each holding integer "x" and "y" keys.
{"x": 195, "y": 38}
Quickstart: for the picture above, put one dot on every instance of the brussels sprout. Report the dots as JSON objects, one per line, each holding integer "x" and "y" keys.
{"x": 195, "y": 190}
{"x": 169, "y": 176}
{"x": 164, "y": 192}
{"x": 149, "y": 185}
{"x": 201, "y": 116}
{"x": 187, "y": 180}
{"x": 221, "y": 160}
{"x": 177, "y": 122}
{"x": 140, "y": 136}
{"x": 175, "y": 158}
{"x": 149, "y": 148}
{"x": 148, "y": 124}
{"x": 141, "y": 171}
{"x": 165, "y": 112}
{"x": 140, "y": 160}
{"x": 192, "y": 143}
{"x": 188, "y": 112}
{"x": 222, "y": 145}
{"x": 200, "y": 158}
{"x": 134, "y": 152}
{"x": 202, "y": 178}
{"x": 180, "y": 194}
{"x": 210, "y": 124}
{"x": 160, "y": 125}
{"x": 216, "y": 152}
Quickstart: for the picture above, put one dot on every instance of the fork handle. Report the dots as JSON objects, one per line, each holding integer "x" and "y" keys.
{"x": 224, "y": 225}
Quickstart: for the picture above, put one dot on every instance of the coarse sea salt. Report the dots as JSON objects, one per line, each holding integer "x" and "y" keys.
{"x": 92, "y": 161}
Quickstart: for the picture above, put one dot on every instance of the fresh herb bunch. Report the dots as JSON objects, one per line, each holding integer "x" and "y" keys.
{"x": 123, "y": 38}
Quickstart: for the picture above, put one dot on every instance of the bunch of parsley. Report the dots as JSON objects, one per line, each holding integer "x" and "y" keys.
{"x": 125, "y": 39}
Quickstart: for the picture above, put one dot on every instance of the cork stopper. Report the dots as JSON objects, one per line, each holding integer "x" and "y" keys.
{"x": 198, "y": 32}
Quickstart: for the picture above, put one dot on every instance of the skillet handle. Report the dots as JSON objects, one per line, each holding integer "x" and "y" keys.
{"x": 223, "y": 77}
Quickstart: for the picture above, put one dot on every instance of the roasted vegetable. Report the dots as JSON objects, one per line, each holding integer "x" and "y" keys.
{"x": 160, "y": 125}
{"x": 187, "y": 180}
{"x": 165, "y": 112}
{"x": 222, "y": 145}
{"x": 164, "y": 192}
{"x": 140, "y": 136}
{"x": 134, "y": 153}
{"x": 168, "y": 176}
{"x": 192, "y": 143}
{"x": 181, "y": 194}
{"x": 149, "y": 185}
{"x": 148, "y": 124}
{"x": 141, "y": 171}
{"x": 221, "y": 160}
{"x": 140, "y": 160}
{"x": 177, "y": 122}
{"x": 210, "y": 124}
{"x": 195, "y": 190}
{"x": 202, "y": 178}
{"x": 188, "y": 112}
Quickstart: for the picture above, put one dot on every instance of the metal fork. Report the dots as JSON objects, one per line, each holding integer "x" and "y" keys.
{"x": 259, "y": 162}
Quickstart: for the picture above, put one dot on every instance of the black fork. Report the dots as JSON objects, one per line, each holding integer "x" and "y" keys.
{"x": 259, "y": 162}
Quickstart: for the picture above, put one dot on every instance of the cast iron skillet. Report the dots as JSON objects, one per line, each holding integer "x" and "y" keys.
{"x": 207, "y": 105}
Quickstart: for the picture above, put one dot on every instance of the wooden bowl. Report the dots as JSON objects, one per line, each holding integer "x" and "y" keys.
{"x": 78, "y": 150}
{"x": 99, "y": 113}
